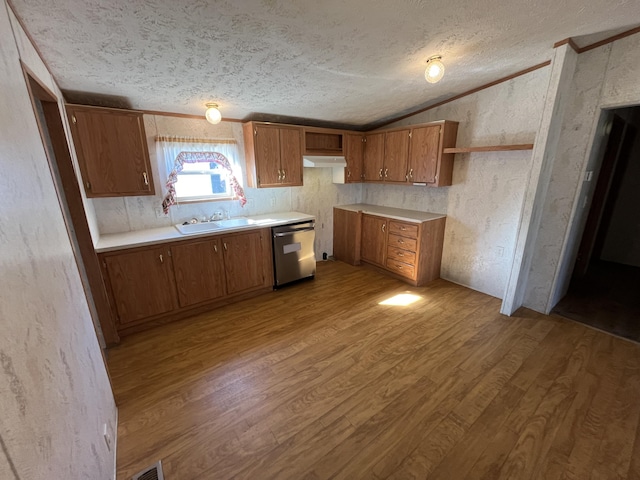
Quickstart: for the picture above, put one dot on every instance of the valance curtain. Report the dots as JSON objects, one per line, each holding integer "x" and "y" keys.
{"x": 177, "y": 151}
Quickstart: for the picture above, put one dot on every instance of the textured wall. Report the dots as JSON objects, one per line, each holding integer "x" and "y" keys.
{"x": 316, "y": 197}
{"x": 483, "y": 204}
{"x": 605, "y": 77}
{"x": 54, "y": 390}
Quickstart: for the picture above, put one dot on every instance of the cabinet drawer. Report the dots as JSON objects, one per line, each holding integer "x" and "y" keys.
{"x": 402, "y": 242}
{"x": 405, "y": 256}
{"x": 404, "y": 229}
{"x": 401, "y": 268}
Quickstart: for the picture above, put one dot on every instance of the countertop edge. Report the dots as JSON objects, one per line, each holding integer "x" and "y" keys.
{"x": 157, "y": 236}
{"x": 413, "y": 216}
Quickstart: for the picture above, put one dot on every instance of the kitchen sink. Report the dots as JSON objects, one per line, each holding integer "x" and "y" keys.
{"x": 192, "y": 228}
{"x": 234, "y": 222}
{"x": 202, "y": 227}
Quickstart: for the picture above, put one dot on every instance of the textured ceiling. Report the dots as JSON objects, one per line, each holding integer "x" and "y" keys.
{"x": 348, "y": 61}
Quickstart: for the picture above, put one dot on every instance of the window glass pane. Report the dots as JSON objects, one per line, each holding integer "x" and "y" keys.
{"x": 202, "y": 180}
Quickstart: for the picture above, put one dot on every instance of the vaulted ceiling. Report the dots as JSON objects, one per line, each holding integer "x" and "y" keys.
{"x": 356, "y": 62}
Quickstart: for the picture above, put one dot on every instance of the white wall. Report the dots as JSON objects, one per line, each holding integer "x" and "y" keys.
{"x": 54, "y": 390}
{"x": 316, "y": 197}
{"x": 606, "y": 77}
{"x": 483, "y": 204}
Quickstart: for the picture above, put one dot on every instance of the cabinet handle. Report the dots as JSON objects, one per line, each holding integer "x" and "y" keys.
{"x": 161, "y": 259}
{"x": 401, "y": 242}
{"x": 380, "y": 174}
{"x": 348, "y": 173}
{"x": 215, "y": 247}
{"x": 145, "y": 178}
{"x": 411, "y": 173}
{"x": 224, "y": 244}
{"x": 284, "y": 175}
{"x": 400, "y": 254}
{"x": 384, "y": 226}
{"x": 279, "y": 175}
{"x": 386, "y": 170}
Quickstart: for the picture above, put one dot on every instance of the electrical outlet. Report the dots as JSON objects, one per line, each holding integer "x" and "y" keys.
{"x": 107, "y": 436}
{"x": 159, "y": 212}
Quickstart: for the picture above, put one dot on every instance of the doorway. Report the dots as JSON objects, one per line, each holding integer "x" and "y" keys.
{"x": 603, "y": 292}
{"x": 51, "y": 127}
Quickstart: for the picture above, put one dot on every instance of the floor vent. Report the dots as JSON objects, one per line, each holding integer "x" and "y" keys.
{"x": 154, "y": 472}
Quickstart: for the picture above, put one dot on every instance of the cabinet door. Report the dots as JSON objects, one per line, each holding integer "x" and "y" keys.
{"x": 244, "y": 261}
{"x": 347, "y": 228}
{"x": 112, "y": 152}
{"x": 354, "y": 153}
{"x": 267, "y": 155}
{"x": 199, "y": 271}
{"x": 423, "y": 155}
{"x": 396, "y": 153}
{"x": 374, "y": 239}
{"x": 291, "y": 156}
{"x": 142, "y": 284}
{"x": 374, "y": 157}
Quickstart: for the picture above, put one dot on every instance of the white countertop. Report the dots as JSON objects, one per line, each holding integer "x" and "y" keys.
{"x": 414, "y": 216}
{"x": 139, "y": 238}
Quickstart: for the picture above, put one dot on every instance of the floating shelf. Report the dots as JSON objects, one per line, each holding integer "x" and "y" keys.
{"x": 492, "y": 148}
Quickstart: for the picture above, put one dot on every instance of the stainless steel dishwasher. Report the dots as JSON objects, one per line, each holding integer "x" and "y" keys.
{"x": 293, "y": 254}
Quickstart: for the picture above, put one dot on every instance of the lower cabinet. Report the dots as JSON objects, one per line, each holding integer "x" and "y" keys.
{"x": 141, "y": 283}
{"x": 408, "y": 250}
{"x": 151, "y": 285}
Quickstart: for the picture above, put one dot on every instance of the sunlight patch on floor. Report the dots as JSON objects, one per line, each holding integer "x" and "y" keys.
{"x": 401, "y": 300}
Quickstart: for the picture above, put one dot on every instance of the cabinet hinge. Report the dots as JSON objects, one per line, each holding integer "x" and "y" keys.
{"x": 73, "y": 118}
{"x": 88, "y": 185}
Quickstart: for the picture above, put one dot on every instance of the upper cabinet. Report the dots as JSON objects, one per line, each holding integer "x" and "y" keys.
{"x": 411, "y": 155}
{"x": 354, "y": 156}
{"x": 273, "y": 154}
{"x": 427, "y": 162}
{"x": 112, "y": 151}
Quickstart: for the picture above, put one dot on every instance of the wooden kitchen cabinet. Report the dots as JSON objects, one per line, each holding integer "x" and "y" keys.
{"x": 112, "y": 151}
{"x": 149, "y": 286}
{"x": 347, "y": 229}
{"x": 427, "y": 163}
{"x": 199, "y": 271}
{"x": 247, "y": 257}
{"x": 354, "y": 156}
{"x": 374, "y": 239}
{"x": 396, "y": 153}
{"x": 273, "y": 154}
{"x": 141, "y": 284}
{"x": 410, "y": 251}
{"x": 373, "y": 164}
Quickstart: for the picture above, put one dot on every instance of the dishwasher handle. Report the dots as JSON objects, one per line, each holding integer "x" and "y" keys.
{"x": 293, "y": 232}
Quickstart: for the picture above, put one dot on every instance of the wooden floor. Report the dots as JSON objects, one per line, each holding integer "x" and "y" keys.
{"x": 320, "y": 381}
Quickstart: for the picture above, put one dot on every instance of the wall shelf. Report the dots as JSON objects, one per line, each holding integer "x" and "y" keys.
{"x": 492, "y": 148}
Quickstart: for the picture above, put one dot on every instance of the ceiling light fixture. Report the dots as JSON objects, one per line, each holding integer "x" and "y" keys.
{"x": 435, "y": 69}
{"x": 212, "y": 114}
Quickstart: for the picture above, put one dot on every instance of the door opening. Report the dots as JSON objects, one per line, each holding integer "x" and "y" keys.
{"x": 606, "y": 276}
{"x": 51, "y": 127}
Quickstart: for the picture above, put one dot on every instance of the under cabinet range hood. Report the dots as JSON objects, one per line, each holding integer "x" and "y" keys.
{"x": 323, "y": 161}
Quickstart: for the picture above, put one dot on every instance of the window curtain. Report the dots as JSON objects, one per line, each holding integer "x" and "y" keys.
{"x": 176, "y": 151}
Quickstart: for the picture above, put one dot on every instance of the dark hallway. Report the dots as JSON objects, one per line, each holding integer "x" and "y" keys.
{"x": 605, "y": 287}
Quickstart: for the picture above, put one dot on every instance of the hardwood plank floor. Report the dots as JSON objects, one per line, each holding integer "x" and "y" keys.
{"x": 320, "y": 380}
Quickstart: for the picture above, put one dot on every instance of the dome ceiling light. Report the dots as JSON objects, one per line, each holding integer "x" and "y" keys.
{"x": 212, "y": 114}
{"x": 435, "y": 69}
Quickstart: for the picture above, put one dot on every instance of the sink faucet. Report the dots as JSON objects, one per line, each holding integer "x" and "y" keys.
{"x": 217, "y": 215}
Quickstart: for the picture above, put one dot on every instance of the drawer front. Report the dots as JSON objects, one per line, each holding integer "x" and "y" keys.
{"x": 401, "y": 268}
{"x": 405, "y": 256}
{"x": 404, "y": 229}
{"x": 402, "y": 242}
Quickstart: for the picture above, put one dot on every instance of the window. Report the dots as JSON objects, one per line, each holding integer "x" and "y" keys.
{"x": 200, "y": 169}
{"x": 201, "y": 181}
